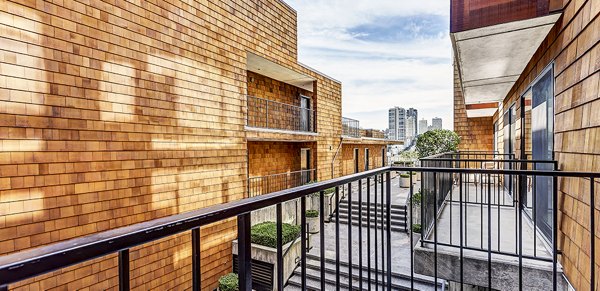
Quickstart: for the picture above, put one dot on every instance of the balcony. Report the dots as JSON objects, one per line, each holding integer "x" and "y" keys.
{"x": 277, "y": 182}
{"x": 467, "y": 205}
{"x": 278, "y": 116}
{"x": 350, "y": 127}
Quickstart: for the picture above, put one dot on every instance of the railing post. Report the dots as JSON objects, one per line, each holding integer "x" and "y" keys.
{"x": 410, "y": 213}
{"x": 196, "y": 272}
{"x": 124, "y": 270}
{"x": 337, "y": 239}
{"x": 244, "y": 253}
{"x": 279, "y": 238}
{"x": 322, "y": 234}
{"x": 388, "y": 197}
{"x": 303, "y": 240}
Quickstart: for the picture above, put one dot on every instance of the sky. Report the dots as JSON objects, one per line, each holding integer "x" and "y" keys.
{"x": 386, "y": 53}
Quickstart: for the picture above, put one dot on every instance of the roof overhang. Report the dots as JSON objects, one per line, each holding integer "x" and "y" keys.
{"x": 491, "y": 59}
{"x": 260, "y": 65}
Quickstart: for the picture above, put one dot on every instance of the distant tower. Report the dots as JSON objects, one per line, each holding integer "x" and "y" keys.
{"x": 436, "y": 123}
{"x": 423, "y": 126}
{"x": 397, "y": 123}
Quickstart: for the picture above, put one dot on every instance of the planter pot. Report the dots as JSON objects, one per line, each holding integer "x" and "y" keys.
{"x": 313, "y": 224}
{"x": 404, "y": 182}
{"x": 269, "y": 255}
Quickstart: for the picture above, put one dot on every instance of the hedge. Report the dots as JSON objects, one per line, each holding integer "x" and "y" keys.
{"x": 229, "y": 282}
{"x": 265, "y": 233}
{"x": 312, "y": 213}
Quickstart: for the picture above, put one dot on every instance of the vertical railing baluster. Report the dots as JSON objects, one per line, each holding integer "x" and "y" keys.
{"x": 303, "y": 240}
{"x": 592, "y": 231}
{"x": 388, "y": 216}
{"x": 519, "y": 220}
{"x": 360, "y": 236}
{"x": 462, "y": 276}
{"x": 409, "y": 212}
{"x": 375, "y": 232}
{"x": 368, "y": 233}
{"x": 124, "y": 270}
{"x": 489, "y": 232}
{"x": 350, "y": 235}
{"x": 382, "y": 233}
{"x": 337, "y": 238}
{"x": 322, "y": 238}
{"x": 279, "y": 238}
{"x": 244, "y": 253}
{"x": 435, "y": 236}
{"x": 196, "y": 272}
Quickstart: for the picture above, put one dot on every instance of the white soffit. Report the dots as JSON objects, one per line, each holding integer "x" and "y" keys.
{"x": 481, "y": 112}
{"x": 492, "y": 58}
{"x": 278, "y": 72}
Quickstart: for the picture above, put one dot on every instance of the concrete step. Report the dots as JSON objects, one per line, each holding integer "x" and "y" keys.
{"x": 395, "y": 225}
{"x": 355, "y": 204}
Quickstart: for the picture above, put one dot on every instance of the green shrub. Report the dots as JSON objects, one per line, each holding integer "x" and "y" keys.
{"x": 265, "y": 233}
{"x": 229, "y": 282}
{"x": 416, "y": 228}
{"x": 312, "y": 213}
{"x": 416, "y": 198}
{"x": 436, "y": 142}
{"x": 330, "y": 190}
{"x": 406, "y": 175}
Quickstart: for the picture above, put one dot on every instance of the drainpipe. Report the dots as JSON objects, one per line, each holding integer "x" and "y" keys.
{"x": 335, "y": 157}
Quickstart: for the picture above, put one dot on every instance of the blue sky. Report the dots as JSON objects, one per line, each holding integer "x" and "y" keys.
{"x": 385, "y": 52}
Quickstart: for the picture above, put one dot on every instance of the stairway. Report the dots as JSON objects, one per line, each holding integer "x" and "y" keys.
{"x": 313, "y": 277}
{"x": 399, "y": 221}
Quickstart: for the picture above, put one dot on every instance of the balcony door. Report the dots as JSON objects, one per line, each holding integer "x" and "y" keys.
{"x": 305, "y": 168}
{"x": 366, "y": 159}
{"x": 508, "y": 121}
{"x": 542, "y": 147}
{"x": 356, "y": 170}
{"x": 305, "y": 113}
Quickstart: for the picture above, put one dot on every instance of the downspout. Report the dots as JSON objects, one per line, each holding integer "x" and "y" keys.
{"x": 335, "y": 157}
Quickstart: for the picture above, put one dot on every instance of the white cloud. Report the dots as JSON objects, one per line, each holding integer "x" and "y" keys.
{"x": 386, "y": 53}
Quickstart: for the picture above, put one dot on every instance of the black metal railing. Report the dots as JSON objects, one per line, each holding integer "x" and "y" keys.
{"x": 263, "y": 113}
{"x": 385, "y": 264}
{"x": 277, "y": 182}
{"x": 350, "y": 127}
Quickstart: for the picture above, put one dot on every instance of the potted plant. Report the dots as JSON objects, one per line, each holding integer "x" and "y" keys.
{"x": 263, "y": 237}
{"x": 312, "y": 219}
{"x": 405, "y": 180}
{"x": 229, "y": 282}
{"x": 416, "y": 228}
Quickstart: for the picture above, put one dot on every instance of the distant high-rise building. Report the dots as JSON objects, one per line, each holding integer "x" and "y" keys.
{"x": 397, "y": 123}
{"x": 436, "y": 123}
{"x": 411, "y": 125}
{"x": 423, "y": 126}
{"x": 411, "y": 112}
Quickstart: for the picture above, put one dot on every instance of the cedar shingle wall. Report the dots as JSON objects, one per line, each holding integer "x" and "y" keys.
{"x": 114, "y": 112}
{"x": 348, "y": 157}
{"x": 573, "y": 46}
{"x": 475, "y": 133}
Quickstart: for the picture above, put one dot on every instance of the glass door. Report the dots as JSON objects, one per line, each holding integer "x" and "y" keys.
{"x": 366, "y": 159}
{"x": 542, "y": 140}
{"x": 509, "y": 145}
{"x": 356, "y": 161}
{"x": 304, "y": 113}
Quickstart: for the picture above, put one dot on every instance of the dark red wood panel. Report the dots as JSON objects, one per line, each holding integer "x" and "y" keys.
{"x": 471, "y": 14}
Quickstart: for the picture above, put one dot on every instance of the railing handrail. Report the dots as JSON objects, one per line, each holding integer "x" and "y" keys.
{"x": 282, "y": 174}
{"x": 281, "y": 103}
{"x": 34, "y": 262}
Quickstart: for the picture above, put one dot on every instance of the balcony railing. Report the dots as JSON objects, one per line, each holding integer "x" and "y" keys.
{"x": 367, "y": 255}
{"x": 277, "y": 182}
{"x": 263, "y": 113}
{"x": 350, "y": 127}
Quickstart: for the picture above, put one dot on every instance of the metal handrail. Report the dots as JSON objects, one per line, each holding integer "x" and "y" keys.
{"x": 30, "y": 263}
{"x": 350, "y": 127}
{"x": 279, "y": 181}
{"x": 270, "y": 114}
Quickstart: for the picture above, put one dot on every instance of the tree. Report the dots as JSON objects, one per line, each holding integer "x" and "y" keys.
{"x": 436, "y": 142}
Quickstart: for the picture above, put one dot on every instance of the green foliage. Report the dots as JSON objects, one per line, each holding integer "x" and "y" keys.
{"x": 312, "y": 213}
{"x": 265, "y": 233}
{"x": 416, "y": 198}
{"x": 405, "y": 175}
{"x": 416, "y": 228}
{"x": 408, "y": 156}
{"x": 436, "y": 142}
{"x": 329, "y": 191}
{"x": 229, "y": 282}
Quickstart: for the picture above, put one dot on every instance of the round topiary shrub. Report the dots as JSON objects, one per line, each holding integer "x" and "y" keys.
{"x": 436, "y": 142}
{"x": 229, "y": 282}
{"x": 265, "y": 234}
